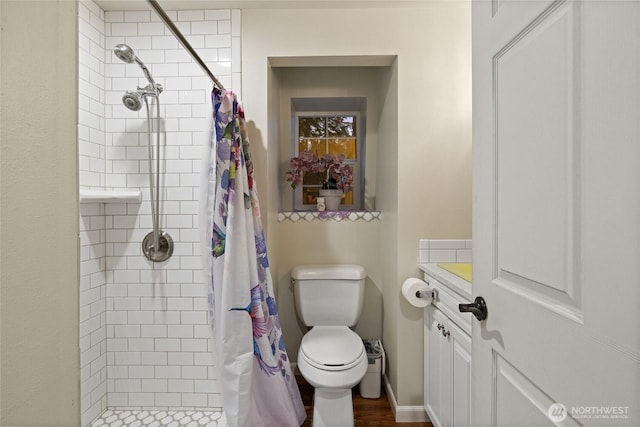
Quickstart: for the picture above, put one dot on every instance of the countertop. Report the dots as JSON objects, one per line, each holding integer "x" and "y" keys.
{"x": 450, "y": 280}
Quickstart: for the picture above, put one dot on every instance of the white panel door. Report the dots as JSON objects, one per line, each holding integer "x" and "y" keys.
{"x": 556, "y": 140}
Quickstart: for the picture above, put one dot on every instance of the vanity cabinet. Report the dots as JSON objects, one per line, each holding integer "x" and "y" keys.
{"x": 447, "y": 367}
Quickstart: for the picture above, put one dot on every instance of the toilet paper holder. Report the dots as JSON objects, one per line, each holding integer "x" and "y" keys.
{"x": 428, "y": 294}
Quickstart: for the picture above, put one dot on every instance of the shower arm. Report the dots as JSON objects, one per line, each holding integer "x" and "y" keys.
{"x": 185, "y": 44}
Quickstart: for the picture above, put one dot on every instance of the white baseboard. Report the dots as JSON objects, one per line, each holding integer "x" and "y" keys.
{"x": 404, "y": 414}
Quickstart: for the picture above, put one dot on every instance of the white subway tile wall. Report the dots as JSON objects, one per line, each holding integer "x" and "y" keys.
{"x": 91, "y": 95}
{"x": 144, "y": 336}
{"x": 91, "y": 160}
{"x": 434, "y": 251}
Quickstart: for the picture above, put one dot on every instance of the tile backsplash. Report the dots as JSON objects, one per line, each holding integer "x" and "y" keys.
{"x": 434, "y": 251}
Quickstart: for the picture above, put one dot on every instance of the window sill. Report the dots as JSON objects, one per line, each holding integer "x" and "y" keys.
{"x": 349, "y": 216}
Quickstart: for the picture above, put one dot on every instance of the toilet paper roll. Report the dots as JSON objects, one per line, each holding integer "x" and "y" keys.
{"x": 409, "y": 289}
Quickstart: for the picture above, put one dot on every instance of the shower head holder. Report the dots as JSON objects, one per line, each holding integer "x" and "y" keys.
{"x": 154, "y": 89}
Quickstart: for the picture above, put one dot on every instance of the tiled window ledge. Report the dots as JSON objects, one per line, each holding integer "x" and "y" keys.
{"x": 330, "y": 216}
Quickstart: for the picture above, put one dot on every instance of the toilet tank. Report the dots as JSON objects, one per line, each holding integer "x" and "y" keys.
{"x": 329, "y": 294}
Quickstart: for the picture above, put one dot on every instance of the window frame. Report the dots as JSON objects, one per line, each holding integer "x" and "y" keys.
{"x": 358, "y": 164}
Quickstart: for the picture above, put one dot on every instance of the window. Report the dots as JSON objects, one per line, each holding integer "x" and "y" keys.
{"x": 335, "y": 133}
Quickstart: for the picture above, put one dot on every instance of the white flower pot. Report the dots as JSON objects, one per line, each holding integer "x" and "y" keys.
{"x": 332, "y": 199}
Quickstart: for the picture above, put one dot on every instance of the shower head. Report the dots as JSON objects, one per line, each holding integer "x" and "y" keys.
{"x": 125, "y": 53}
{"x": 132, "y": 100}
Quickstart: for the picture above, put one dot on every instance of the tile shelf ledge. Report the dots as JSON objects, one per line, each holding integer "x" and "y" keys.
{"x": 110, "y": 196}
{"x": 347, "y": 216}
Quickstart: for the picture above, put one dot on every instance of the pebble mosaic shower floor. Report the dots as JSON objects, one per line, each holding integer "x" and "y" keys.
{"x": 124, "y": 418}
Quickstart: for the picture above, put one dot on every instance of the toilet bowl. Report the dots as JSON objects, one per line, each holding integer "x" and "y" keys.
{"x": 332, "y": 358}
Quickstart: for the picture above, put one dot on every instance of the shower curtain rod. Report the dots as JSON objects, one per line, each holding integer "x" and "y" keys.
{"x": 185, "y": 44}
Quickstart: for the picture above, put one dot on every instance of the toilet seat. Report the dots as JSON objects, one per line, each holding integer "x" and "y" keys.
{"x": 332, "y": 348}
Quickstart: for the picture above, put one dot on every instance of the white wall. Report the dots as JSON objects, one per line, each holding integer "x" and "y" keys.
{"x": 424, "y": 187}
{"x": 387, "y": 202}
{"x": 39, "y": 360}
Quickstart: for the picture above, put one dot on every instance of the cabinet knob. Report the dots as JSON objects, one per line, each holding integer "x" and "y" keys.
{"x": 445, "y": 333}
{"x": 440, "y": 326}
{"x": 478, "y": 308}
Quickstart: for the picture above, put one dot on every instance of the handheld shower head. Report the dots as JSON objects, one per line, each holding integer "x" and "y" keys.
{"x": 132, "y": 100}
{"x": 125, "y": 53}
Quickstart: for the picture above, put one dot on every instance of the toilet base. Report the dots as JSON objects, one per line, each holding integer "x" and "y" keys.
{"x": 332, "y": 407}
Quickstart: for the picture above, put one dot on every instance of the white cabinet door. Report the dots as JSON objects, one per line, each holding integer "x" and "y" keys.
{"x": 447, "y": 371}
{"x": 460, "y": 360}
{"x": 556, "y": 206}
{"x": 435, "y": 358}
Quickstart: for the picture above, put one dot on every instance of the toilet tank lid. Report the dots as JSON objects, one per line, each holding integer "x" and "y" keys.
{"x": 328, "y": 271}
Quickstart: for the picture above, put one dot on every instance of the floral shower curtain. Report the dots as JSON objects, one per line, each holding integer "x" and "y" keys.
{"x": 258, "y": 385}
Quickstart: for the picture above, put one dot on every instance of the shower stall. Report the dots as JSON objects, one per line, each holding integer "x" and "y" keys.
{"x": 144, "y": 336}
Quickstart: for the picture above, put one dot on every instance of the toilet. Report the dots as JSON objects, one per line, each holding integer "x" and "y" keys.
{"x": 332, "y": 358}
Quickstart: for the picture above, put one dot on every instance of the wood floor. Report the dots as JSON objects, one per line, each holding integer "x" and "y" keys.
{"x": 367, "y": 412}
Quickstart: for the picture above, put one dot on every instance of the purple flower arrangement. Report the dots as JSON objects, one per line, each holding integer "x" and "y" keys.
{"x": 332, "y": 171}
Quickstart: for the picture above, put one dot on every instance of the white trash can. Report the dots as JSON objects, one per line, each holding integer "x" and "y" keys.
{"x": 370, "y": 384}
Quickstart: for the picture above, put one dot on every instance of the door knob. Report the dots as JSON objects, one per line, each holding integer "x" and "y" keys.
{"x": 478, "y": 308}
